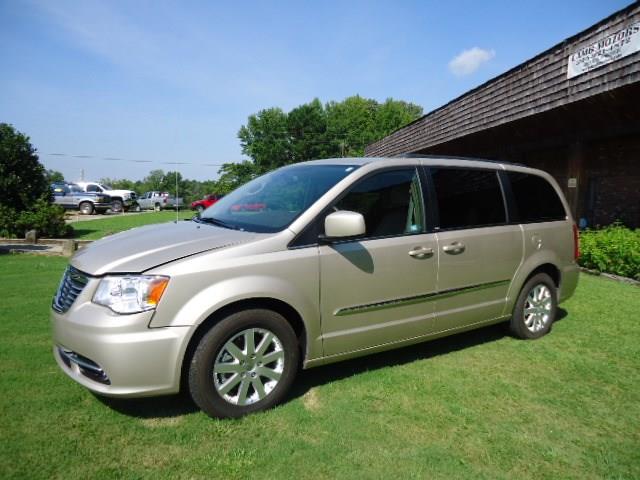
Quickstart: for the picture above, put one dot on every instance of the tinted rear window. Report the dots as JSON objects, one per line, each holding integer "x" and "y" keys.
{"x": 535, "y": 199}
{"x": 468, "y": 198}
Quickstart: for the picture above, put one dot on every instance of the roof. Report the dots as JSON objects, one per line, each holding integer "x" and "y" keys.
{"x": 443, "y": 160}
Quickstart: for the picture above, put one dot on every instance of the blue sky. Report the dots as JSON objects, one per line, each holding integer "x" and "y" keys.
{"x": 174, "y": 81}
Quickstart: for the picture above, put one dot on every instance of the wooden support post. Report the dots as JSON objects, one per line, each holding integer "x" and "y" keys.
{"x": 575, "y": 176}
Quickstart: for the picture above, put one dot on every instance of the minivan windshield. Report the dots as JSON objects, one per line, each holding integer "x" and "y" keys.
{"x": 271, "y": 202}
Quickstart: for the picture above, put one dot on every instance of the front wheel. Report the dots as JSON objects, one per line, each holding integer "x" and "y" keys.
{"x": 117, "y": 206}
{"x": 535, "y": 309}
{"x": 245, "y": 363}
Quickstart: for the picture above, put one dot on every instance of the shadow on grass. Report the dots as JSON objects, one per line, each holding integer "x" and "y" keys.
{"x": 308, "y": 379}
{"x": 181, "y": 404}
{"x": 152, "y": 407}
{"x": 81, "y": 233}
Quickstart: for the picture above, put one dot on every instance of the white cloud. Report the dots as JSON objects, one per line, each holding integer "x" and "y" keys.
{"x": 470, "y": 60}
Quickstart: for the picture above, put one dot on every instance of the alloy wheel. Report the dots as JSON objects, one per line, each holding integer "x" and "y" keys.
{"x": 537, "y": 308}
{"x": 248, "y": 366}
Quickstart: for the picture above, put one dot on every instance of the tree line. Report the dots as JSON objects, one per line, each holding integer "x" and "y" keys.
{"x": 273, "y": 138}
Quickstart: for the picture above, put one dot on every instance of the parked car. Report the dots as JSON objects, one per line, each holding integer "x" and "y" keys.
{"x": 350, "y": 257}
{"x": 201, "y": 205}
{"x": 71, "y": 197}
{"x": 159, "y": 201}
{"x": 121, "y": 200}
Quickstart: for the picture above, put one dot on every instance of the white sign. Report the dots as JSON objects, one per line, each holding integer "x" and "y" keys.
{"x": 606, "y": 50}
{"x": 572, "y": 183}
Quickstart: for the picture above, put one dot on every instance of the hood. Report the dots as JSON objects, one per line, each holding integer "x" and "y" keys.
{"x": 142, "y": 248}
{"x": 122, "y": 193}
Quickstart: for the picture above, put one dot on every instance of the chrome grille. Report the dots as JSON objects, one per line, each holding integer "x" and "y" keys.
{"x": 72, "y": 283}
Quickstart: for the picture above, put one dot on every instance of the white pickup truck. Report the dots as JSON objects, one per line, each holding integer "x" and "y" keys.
{"x": 159, "y": 201}
{"x": 120, "y": 199}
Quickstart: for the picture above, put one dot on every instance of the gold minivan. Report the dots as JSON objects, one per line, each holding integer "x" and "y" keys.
{"x": 310, "y": 264}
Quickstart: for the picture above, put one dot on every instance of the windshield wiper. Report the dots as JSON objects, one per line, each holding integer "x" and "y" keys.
{"x": 218, "y": 223}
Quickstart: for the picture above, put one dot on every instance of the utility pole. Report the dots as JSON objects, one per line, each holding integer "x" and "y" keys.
{"x": 177, "y": 206}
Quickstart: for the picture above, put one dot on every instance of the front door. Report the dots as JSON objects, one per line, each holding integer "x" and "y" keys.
{"x": 377, "y": 290}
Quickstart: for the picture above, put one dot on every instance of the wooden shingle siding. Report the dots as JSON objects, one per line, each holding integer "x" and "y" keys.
{"x": 536, "y": 86}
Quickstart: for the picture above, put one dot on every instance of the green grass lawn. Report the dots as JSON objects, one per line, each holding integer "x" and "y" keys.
{"x": 101, "y": 226}
{"x": 476, "y": 405}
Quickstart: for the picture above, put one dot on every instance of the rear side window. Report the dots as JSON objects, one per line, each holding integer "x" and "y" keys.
{"x": 468, "y": 198}
{"x": 535, "y": 199}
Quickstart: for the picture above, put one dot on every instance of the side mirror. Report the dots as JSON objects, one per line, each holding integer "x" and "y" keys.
{"x": 343, "y": 225}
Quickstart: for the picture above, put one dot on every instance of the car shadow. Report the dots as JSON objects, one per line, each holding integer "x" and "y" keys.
{"x": 151, "y": 407}
{"x": 308, "y": 379}
{"x": 181, "y": 404}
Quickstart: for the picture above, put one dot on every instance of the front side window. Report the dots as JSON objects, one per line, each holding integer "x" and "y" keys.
{"x": 93, "y": 188}
{"x": 536, "y": 200}
{"x": 271, "y": 202}
{"x": 391, "y": 203}
{"x": 468, "y": 198}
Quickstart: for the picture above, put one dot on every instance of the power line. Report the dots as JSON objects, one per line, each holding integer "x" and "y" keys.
{"x": 117, "y": 159}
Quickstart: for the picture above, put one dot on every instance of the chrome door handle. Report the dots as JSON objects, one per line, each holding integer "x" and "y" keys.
{"x": 454, "y": 249}
{"x": 421, "y": 252}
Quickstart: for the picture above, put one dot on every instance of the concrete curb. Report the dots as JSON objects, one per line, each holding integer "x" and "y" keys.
{"x": 65, "y": 247}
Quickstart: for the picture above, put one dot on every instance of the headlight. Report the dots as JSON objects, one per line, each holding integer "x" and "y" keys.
{"x": 131, "y": 293}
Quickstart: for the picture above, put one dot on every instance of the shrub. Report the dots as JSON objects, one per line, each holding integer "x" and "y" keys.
{"x": 614, "y": 249}
{"x": 8, "y": 221}
{"x": 47, "y": 219}
{"x": 22, "y": 176}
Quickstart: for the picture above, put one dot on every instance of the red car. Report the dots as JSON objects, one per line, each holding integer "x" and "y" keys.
{"x": 206, "y": 202}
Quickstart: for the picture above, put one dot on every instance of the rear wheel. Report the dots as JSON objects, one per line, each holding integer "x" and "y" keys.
{"x": 245, "y": 363}
{"x": 157, "y": 207}
{"x": 86, "y": 208}
{"x": 535, "y": 309}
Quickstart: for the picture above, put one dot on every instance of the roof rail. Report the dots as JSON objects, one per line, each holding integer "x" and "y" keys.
{"x": 453, "y": 157}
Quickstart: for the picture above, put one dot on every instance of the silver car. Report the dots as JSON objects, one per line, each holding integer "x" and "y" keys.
{"x": 310, "y": 264}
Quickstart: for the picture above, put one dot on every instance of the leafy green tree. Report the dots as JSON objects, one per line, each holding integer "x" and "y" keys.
{"x": 266, "y": 140}
{"x": 273, "y": 138}
{"x": 25, "y": 195}
{"x": 54, "y": 176}
{"x": 235, "y": 174}
{"x": 307, "y": 127}
{"x": 153, "y": 181}
{"x": 22, "y": 176}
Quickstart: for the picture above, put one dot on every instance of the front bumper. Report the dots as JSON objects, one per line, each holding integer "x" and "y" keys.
{"x": 117, "y": 355}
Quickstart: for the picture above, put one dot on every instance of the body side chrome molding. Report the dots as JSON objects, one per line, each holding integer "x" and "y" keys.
{"x": 426, "y": 297}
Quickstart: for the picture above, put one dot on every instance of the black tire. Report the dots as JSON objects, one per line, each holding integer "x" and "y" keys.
{"x": 157, "y": 207}
{"x": 117, "y": 206}
{"x": 202, "y": 378}
{"x": 136, "y": 208}
{"x": 528, "y": 328}
{"x": 86, "y": 208}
